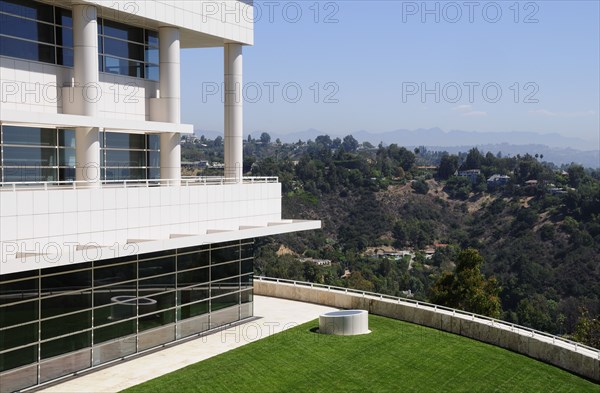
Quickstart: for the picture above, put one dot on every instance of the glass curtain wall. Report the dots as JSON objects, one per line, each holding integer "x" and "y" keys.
{"x": 30, "y": 154}
{"x": 40, "y": 32}
{"x": 73, "y": 317}
{"x": 129, "y": 156}
{"x": 34, "y": 31}
{"x": 127, "y": 50}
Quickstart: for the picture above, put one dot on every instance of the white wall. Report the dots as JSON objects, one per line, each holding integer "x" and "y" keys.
{"x": 30, "y": 86}
{"x": 107, "y": 216}
{"x": 228, "y": 19}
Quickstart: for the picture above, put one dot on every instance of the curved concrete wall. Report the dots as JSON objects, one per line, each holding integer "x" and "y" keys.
{"x": 517, "y": 340}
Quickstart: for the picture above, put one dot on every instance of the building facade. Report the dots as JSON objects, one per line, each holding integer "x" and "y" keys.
{"x": 106, "y": 251}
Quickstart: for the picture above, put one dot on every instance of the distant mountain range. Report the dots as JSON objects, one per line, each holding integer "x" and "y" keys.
{"x": 555, "y": 147}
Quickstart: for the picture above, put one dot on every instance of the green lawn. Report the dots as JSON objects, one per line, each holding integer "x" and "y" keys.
{"x": 395, "y": 357}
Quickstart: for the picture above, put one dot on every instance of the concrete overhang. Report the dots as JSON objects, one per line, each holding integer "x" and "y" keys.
{"x": 74, "y": 255}
{"x": 59, "y": 120}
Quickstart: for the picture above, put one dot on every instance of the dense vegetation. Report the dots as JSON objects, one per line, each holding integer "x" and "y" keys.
{"x": 395, "y": 357}
{"x": 538, "y": 234}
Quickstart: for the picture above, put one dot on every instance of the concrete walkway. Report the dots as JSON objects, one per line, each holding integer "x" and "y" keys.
{"x": 275, "y": 315}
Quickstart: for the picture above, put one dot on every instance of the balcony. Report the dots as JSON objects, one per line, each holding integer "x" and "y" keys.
{"x": 47, "y": 224}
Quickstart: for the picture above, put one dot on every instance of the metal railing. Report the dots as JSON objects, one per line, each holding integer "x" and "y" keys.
{"x": 519, "y": 329}
{"x": 186, "y": 181}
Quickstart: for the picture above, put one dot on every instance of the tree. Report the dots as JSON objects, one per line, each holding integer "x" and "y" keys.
{"x": 324, "y": 140}
{"x": 448, "y": 165}
{"x": 336, "y": 143}
{"x": 474, "y": 159}
{"x": 576, "y": 175}
{"x": 265, "y": 138}
{"x": 420, "y": 187}
{"x": 587, "y": 330}
{"x": 349, "y": 144}
{"x": 467, "y": 288}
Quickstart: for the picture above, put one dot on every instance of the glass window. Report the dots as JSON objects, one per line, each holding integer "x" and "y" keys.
{"x": 155, "y": 320}
{"x": 152, "y": 72}
{"x": 153, "y": 173}
{"x": 191, "y": 295}
{"x": 153, "y": 141}
{"x": 29, "y": 156}
{"x": 192, "y": 261}
{"x": 16, "y": 291}
{"x": 232, "y": 299}
{"x": 65, "y": 345}
{"x": 28, "y": 136}
{"x": 25, "y": 174}
{"x": 65, "y": 282}
{"x": 155, "y": 267}
{"x": 224, "y": 286}
{"x": 153, "y": 158}
{"x": 64, "y": 17}
{"x": 114, "y": 331}
{"x": 115, "y": 274}
{"x": 117, "y": 140}
{"x": 29, "y": 9}
{"x": 18, "y": 336}
{"x": 192, "y": 310}
{"x": 66, "y": 325}
{"x": 64, "y": 36}
{"x": 19, "y": 357}
{"x": 247, "y": 266}
{"x": 19, "y": 313}
{"x": 115, "y": 65}
{"x": 27, "y": 50}
{"x": 225, "y": 270}
{"x": 127, "y": 50}
{"x": 163, "y": 301}
{"x": 152, "y": 55}
{"x": 192, "y": 277}
{"x": 27, "y": 29}
{"x": 246, "y": 296}
{"x": 126, "y": 158}
{"x": 65, "y": 57}
{"x": 66, "y": 138}
{"x": 114, "y": 261}
{"x": 225, "y": 254}
{"x": 122, "y": 31}
{"x": 247, "y": 250}
{"x": 63, "y": 304}
{"x": 124, "y": 174}
{"x": 152, "y": 38}
{"x": 118, "y": 304}
{"x": 66, "y": 157}
{"x": 66, "y": 174}
{"x": 247, "y": 279}
{"x": 156, "y": 285}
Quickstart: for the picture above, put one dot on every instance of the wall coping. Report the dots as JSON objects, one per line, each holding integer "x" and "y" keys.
{"x": 554, "y": 350}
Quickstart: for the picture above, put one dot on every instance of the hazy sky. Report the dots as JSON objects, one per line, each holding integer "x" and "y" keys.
{"x": 364, "y": 65}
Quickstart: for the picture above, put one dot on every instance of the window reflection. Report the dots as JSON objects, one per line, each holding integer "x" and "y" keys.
{"x": 58, "y": 308}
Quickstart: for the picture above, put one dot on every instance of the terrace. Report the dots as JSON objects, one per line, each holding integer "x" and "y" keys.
{"x": 53, "y": 223}
{"x": 397, "y": 355}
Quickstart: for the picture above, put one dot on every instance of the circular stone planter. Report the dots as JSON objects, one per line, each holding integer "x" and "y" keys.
{"x": 344, "y": 323}
{"x": 125, "y": 306}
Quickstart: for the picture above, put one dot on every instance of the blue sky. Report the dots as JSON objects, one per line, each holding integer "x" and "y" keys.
{"x": 363, "y": 65}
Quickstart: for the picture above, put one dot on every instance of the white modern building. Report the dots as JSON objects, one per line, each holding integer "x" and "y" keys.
{"x": 105, "y": 250}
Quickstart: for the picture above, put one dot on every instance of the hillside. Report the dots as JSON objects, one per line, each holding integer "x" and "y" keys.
{"x": 538, "y": 230}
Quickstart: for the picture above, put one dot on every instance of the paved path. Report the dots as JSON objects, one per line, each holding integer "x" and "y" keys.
{"x": 275, "y": 315}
